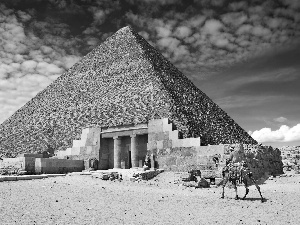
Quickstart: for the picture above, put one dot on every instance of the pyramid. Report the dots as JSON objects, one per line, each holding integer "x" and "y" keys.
{"x": 122, "y": 81}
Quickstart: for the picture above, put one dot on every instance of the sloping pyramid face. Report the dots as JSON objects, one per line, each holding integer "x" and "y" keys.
{"x": 122, "y": 81}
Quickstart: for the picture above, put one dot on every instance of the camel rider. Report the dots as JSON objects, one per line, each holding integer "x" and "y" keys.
{"x": 231, "y": 155}
{"x": 229, "y": 161}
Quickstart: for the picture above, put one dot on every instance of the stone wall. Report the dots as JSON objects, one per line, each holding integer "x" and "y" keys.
{"x": 26, "y": 163}
{"x": 57, "y": 166}
{"x": 262, "y": 160}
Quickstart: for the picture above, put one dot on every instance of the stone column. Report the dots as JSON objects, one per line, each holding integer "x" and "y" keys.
{"x": 134, "y": 152}
{"x": 117, "y": 152}
{"x": 152, "y": 161}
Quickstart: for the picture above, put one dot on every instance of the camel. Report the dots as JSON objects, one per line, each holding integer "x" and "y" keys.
{"x": 234, "y": 172}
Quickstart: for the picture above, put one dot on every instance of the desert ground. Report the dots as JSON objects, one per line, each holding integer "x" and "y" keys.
{"x": 82, "y": 199}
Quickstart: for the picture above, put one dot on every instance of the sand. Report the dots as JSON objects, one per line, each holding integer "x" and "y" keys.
{"x": 86, "y": 200}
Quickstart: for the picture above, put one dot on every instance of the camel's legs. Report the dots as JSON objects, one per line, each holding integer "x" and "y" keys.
{"x": 258, "y": 188}
{"x": 235, "y": 188}
{"x": 246, "y": 186}
{"x": 225, "y": 180}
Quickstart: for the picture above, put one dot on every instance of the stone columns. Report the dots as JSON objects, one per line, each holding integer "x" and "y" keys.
{"x": 134, "y": 151}
{"x": 117, "y": 152}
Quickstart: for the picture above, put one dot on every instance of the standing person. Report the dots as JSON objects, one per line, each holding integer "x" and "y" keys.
{"x": 148, "y": 161}
{"x": 232, "y": 155}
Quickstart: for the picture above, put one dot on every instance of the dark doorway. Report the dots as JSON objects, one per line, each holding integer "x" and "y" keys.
{"x": 129, "y": 159}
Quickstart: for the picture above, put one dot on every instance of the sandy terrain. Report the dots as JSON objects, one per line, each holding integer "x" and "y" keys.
{"x": 87, "y": 200}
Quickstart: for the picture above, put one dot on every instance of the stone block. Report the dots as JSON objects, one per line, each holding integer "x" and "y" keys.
{"x": 151, "y": 145}
{"x": 202, "y": 159}
{"x": 140, "y": 163}
{"x": 173, "y": 135}
{"x": 155, "y": 126}
{"x": 176, "y": 143}
{"x": 89, "y": 150}
{"x": 166, "y": 126}
{"x": 75, "y": 150}
{"x": 167, "y": 144}
{"x": 9, "y": 178}
{"x": 77, "y": 143}
{"x": 187, "y": 152}
{"x": 159, "y": 144}
{"x": 68, "y": 151}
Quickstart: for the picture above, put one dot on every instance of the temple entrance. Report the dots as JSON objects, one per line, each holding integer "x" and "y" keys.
{"x": 124, "y": 146}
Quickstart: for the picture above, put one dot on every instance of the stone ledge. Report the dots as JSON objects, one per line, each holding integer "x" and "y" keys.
{"x": 28, "y": 177}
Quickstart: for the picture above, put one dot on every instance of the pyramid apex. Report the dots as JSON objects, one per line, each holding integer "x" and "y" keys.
{"x": 128, "y": 29}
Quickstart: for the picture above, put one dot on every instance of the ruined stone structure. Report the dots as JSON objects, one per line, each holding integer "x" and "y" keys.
{"x": 121, "y": 102}
{"x": 262, "y": 160}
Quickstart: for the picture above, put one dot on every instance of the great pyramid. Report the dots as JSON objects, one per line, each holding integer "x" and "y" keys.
{"x": 122, "y": 81}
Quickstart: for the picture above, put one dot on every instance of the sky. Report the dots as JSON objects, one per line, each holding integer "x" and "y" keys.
{"x": 245, "y": 55}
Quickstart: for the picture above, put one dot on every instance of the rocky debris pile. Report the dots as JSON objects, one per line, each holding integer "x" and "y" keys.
{"x": 195, "y": 180}
{"x": 11, "y": 170}
{"x": 122, "y": 81}
{"x": 261, "y": 159}
{"x": 146, "y": 175}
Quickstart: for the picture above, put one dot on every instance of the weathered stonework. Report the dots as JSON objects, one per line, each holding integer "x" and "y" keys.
{"x": 261, "y": 160}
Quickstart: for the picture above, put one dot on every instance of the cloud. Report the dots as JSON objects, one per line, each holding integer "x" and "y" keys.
{"x": 169, "y": 43}
{"x": 28, "y": 66}
{"x": 163, "y": 31}
{"x": 182, "y": 32}
{"x": 294, "y": 4}
{"x": 212, "y": 26}
{"x": 196, "y": 21}
{"x": 31, "y": 60}
{"x": 280, "y": 119}
{"x": 261, "y": 31}
{"x": 235, "y": 6}
{"x": 234, "y": 18}
{"x": 283, "y": 134}
{"x": 159, "y": 2}
{"x": 217, "y": 2}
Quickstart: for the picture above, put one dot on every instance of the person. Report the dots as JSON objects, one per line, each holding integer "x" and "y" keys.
{"x": 145, "y": 167}
{"x": 148, "y": 161}
{"x": 232, "y": 155}
{"x": 216, "y": 159}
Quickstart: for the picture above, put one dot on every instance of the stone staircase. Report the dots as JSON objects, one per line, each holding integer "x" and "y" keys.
{"x": 88, "y": 144}
{"x": 162, "y": 136}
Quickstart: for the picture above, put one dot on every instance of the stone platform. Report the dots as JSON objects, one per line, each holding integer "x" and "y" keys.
{"x": 28, "y": 177}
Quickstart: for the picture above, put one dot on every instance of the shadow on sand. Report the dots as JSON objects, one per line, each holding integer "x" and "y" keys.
{"x": 254, "y": 199}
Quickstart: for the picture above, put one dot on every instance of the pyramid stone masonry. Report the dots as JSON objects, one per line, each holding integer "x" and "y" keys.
{"x": 122, "y": 82}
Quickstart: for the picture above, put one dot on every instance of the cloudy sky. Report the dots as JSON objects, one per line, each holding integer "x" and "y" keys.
{"x": 245, "y": 55}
